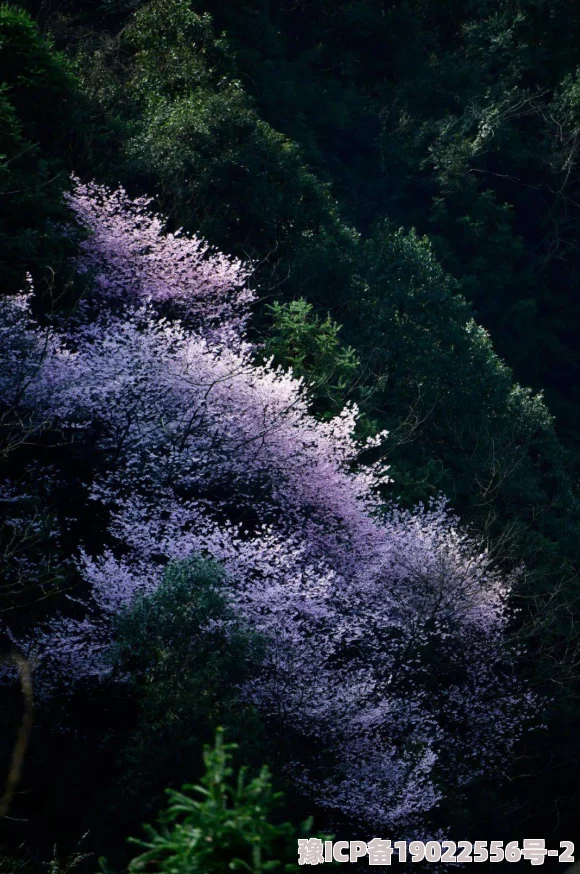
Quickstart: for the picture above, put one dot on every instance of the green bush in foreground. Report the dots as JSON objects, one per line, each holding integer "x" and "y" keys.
{"x": 219, "y": 825}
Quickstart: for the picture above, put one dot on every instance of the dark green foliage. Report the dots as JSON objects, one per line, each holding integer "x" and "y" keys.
{"x": 444, "y": 388}
{"x": 184, "y": 656}
{"x": 37, "y": 105}
{"x": 191, "y": 135}
{"x": 459, "y": 119}
{"x": 461, "y": 425}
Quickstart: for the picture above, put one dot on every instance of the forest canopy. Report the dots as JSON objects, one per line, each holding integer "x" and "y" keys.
{"x": 289, "y": 411}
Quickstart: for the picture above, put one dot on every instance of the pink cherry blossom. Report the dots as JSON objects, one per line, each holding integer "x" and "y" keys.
{"x": 385, "y": 628}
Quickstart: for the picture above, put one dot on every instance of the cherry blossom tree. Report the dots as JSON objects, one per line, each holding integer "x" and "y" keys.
{"x": 385, "y": 629}
{"x": 130, "y": 257}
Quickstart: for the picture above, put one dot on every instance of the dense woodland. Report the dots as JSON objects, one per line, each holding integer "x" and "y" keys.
{"x": 289, "y": 428}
